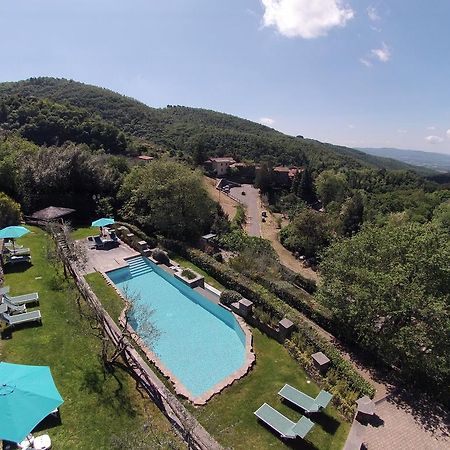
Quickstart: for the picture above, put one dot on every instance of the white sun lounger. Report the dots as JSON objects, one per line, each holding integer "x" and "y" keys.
{"x": 282, "y": 425}
{"x": 7, "y": 307}
{"x": 33, "y": 316}
{"x": 22, "y": 299}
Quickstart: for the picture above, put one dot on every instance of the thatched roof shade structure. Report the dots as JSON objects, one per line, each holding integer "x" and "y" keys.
{"x": 52, "y": 213}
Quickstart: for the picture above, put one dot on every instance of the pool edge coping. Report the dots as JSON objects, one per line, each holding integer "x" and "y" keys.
{"x": 179, "y": 387}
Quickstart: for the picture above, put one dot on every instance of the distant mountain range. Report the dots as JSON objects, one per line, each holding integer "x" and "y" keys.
{"x": 439, "y": 162}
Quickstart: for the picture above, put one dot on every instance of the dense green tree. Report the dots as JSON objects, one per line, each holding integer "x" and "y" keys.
{"x": 389, "y": 287}
{"x": 263, "y": 179}
{"x": 47, "y": 123}
{"x": 331, "y": 187}
{"x": 351, "y": 215}
{"x": 305, "y": 189}
{"x": 308, "y": 233}
{"x": 169, "y": 198}
{"x": 441, "y": 216}
{"x": 9, "y": 211}
{"x": 70, "y": 176}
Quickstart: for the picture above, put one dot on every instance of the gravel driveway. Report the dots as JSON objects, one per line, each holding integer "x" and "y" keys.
{"x": 253, "y": 209}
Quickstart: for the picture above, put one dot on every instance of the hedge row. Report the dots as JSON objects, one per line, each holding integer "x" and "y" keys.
{"x": 308, "y": 285}
{"x": 141, "y": 236}
{"x": 275, "y": 307}
{"x": 301, "y": 301}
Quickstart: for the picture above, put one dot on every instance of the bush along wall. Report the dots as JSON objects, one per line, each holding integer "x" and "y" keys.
{"x": 348, "y": 384}
{"x": 139, "y": 235}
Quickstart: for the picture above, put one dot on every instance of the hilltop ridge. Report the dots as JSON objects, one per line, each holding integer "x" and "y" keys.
{"x": 191, "y": 130}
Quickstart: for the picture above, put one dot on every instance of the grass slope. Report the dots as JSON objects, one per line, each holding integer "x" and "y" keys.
{"x": 229, "y": 416}
{"x": 95, "y": 408}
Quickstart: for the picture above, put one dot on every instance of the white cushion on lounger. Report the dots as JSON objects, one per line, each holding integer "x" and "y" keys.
{"x": 42, "y": 442}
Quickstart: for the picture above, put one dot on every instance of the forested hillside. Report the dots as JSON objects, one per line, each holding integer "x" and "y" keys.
{"x": 197, "y": 132}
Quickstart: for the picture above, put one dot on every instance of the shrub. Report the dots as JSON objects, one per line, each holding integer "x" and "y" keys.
{"x": 218, "y": 257}
{"x": 151, "y": 240}
{"x": 228, "y": 297}
{"x": 187, "y": 273}
{"x": 161, "y": 256}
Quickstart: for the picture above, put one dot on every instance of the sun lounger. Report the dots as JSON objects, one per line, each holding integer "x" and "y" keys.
{"x": 11, "y": 308}
{"x": 33, "y": 316}
{"x": 23, "y": 299}
{"x": 4, "y": 290}
{"x": 307, "y": 403}
{"x": 17, "y": 251}
{"x": 99, "y": 243}
{"x": 18, "y": 259}
{"x": 281, "y": 424}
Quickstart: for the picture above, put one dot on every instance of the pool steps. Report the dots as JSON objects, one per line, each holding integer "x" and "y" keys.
{"x": 138, "y": 266}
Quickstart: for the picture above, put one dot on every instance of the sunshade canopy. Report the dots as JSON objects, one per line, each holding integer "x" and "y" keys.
{"x": 13, "y": 232}
{"x": 103, "y": 222}
{"x": 27, "y": 395}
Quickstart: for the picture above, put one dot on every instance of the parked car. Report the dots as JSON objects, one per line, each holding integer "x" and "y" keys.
{"x": 264, "y": 214}
{"x": 243, "y": 193}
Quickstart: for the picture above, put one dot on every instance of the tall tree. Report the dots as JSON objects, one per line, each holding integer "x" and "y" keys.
{"x": 389, "y": 287}
{"x": 9, "y": 211}
{"x": 308, "y": 233}
{"x": 331, "y": 187}
{"x": 263, "y": 179}
{"x": 305, "y": 189}
{"x": 351, "y": 215}
{"x": 167, "y": 197}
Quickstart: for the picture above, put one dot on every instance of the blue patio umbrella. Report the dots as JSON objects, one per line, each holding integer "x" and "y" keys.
{"x": 103, "y": 222}
{"x": 13, "y": 232}
{"x": 27, "y": 396}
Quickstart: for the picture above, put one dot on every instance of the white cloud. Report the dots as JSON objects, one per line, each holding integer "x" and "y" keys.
{"x": 402, "y": 131}
{"x": 365, "y": 62}
{"x": 373, "y": 14}
{"x": 431, "y": 128}
{"x": 448, "y": 133}
{"x": 383, "y": 54}
{"x": 306, "y": 18}
{"x": 267, "y": 121}
{"x": 352, "y": 126}
{"x": 434, "y": 139}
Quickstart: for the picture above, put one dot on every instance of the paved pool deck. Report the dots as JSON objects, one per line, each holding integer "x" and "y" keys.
{"x": 106, "y": 260}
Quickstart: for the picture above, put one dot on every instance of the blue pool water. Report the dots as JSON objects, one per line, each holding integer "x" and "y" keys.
{"x": 200, "y": 342}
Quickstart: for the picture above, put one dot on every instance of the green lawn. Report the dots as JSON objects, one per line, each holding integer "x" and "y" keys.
{"x": 108, "y": 296}
{"x": 96, "y": 407}
{"x": 82, "y": 233}
{"x": 229, "y": 416}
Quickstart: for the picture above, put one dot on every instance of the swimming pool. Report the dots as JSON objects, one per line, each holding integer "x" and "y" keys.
{"x": 200, "y": 343}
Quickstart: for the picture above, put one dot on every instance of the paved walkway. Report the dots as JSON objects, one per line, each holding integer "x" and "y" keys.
{"x": 406, "y": 424}
{"x": 252, "y": 204}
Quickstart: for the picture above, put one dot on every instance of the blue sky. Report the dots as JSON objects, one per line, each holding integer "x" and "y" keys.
{"x": 357, "y": 73}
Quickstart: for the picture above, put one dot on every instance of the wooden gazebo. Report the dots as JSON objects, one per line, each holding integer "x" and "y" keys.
{"x": 51, "y": 214}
